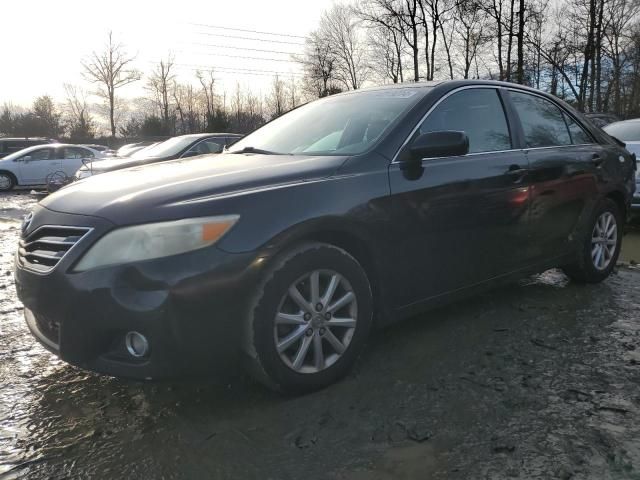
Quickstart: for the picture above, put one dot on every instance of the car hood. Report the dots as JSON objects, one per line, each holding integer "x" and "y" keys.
{"x": 109, "y": 164}
{"x": 166, "y": 190}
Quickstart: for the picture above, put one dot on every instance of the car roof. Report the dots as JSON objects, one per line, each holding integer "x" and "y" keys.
{"x": 205, "y": 135}
{"x": 23, "y": 139}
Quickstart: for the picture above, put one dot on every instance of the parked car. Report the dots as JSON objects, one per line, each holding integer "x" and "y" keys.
{"x": 12, "y": 145}
{"x": 628, "y": 132}
{"x": 349, "y": 212}
{"x": 131, "y": 148}
{"x": 602, "y": 119}
{"x": 104, "y": 149}
{"x": 175, "y": 147}
{"x": 32, "y": 166}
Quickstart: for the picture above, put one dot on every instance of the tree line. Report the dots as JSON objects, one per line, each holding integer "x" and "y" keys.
{"x": 586, "y": 52}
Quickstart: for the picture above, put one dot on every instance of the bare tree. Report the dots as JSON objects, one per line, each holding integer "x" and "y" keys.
{"x": 159, "y": 84}
{"x": 188, "y": 107}
{"x": 277, "y": 98}
{"x": 207, "y": 82}
{"x": 110, "y": 69}
{"x": 386, "y": 50}
{"x": 79, "y": 122}
{"x": 338, "y": 27}
{"x": 470, "y": 32}
{"x": 402, "y": 16}
{"x": 319, "y": 64}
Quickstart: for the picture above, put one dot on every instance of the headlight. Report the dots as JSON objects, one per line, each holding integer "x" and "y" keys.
{"x": 155, "y": 240}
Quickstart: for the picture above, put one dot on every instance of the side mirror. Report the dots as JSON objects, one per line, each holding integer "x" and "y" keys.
{"x": 445, "y": 143}
{"x": 190, "y": 153}
{"x": 26, "y": 158}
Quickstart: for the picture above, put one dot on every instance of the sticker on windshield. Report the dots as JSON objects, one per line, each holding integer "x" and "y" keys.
{"x": 396, "y": 93}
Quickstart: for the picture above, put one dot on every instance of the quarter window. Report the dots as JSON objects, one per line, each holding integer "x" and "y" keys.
{"x": 541, "y": 120}
{"x": 578, "y": 135}
{"x": 477, "y": 112}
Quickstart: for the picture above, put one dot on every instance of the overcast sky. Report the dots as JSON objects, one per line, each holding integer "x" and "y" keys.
{"x": 42, "y": 42}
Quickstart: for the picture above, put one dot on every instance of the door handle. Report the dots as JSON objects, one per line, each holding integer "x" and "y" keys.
{"x": 597, "y": 160}
{"x": 517, "y": 173}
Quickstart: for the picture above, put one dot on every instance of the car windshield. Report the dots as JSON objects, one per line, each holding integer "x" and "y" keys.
{"x": 340, "y": 125}
{"x": 624, "y": 131}
{"x": 170, "y": 147}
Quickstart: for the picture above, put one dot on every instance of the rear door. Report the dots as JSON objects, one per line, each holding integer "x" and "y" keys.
{"x": 72, "y": 158}
{"x": 564, "y": 161}
{"x": 464, "y": 219}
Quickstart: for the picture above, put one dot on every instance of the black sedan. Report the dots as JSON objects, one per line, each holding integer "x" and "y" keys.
{"x": 347, "y": 213}
{"x": 176, "y": 147}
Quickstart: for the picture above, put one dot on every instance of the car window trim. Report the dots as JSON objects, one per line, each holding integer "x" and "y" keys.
{"x": 562, "y": 111}
{"x": 443, "y": 98}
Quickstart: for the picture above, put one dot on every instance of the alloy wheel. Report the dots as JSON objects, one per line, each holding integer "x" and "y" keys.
{"x": 5, "y": 182}
{"x": 315, "y": 321}
{"x": 604, "y": 240}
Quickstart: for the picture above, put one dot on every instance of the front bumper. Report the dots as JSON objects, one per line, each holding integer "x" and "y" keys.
{"x": 190, "y": 307}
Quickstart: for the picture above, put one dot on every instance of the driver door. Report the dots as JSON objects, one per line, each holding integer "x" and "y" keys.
{"x": 463, "y": 219}
{"x": 36, "y": 165}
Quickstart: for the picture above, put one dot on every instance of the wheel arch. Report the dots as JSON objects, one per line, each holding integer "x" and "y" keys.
{"x": 621, "y": 201}
{"x": 349, "y": 238}
{"x": 11, "y": 174}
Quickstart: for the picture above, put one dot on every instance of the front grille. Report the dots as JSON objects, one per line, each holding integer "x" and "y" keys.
{"x": 43, "y": 249}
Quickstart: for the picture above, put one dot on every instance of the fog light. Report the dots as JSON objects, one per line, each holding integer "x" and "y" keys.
{"x": 137, "y": 344}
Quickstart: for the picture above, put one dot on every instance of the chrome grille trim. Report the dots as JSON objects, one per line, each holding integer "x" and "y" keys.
{"x": 43, "y": 249}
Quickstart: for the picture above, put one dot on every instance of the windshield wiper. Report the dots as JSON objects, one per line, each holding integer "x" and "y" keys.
{"x": 254, "y": 150}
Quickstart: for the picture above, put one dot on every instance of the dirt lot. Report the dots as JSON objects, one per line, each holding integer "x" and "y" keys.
{"x": 537, "y": 380}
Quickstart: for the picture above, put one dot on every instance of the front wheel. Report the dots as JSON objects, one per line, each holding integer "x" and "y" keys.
{"x": 6, "y": 182}
{"x": 310, "y": 319}
{"x": 599, "y": 245}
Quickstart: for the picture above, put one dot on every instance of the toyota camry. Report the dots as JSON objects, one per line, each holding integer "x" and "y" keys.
{"x": 345, "y": 214}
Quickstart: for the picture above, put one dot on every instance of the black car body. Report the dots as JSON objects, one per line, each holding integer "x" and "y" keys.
{"x": 9, "y": 145}
{"x": 398, "y": 208}
{"x": 176, "y": 147}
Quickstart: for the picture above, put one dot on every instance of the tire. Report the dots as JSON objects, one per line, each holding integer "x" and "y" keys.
{"x": 589, "y": 266}
{"x": 296, "y": 368}
{"x": 7, "y": 182}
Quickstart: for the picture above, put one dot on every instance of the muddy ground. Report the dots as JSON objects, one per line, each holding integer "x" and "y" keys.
{"x": 534, "y": 381}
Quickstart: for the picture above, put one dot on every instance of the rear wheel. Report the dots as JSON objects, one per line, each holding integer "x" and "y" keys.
{"x": 599, "y": 245}
{"x": 7, "y": 181}
{"x": 310, "y": 320}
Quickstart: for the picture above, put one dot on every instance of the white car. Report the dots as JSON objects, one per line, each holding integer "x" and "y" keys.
{"x": 628, "y": 131}
{"x": 34, "y": 165}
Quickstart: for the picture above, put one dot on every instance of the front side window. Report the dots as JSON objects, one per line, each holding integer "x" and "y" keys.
{"x": 345, "y": 124}
{"x": 578, "y": 134}
{"x": 541, "y": 120}
{"x": 478, "y": 112}
{"x": 40, "y": 154}
{"x": 206, "y": 146}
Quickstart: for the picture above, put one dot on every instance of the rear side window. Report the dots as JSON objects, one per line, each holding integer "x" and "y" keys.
{"x": 477, "y": 112}
{"x": 579, "y": 135}
{"x": 541, "y": 120}
{"x": 76, "y": 152}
